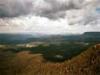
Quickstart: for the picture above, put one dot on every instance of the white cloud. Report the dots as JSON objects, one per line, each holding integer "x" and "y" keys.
{"x": 44, "y": 25}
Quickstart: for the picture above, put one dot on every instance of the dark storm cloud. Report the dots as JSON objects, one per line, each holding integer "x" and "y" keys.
{"x": 57, "y": 8}
{"x": 52, "y": 9}
{"x": 13, "y": 8}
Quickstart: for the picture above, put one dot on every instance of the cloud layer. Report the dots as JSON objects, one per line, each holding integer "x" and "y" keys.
{"x": 53, "y": 9}
{"x": 49, "y": 16}
{"x": 13, "y": 8}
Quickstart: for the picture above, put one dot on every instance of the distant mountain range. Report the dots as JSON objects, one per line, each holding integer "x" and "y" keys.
{"x": 25, "y": 38}
{"x": 91, "y": 37}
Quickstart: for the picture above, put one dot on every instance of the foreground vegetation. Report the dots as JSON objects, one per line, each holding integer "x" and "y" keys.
{"x": 41, "y": 61}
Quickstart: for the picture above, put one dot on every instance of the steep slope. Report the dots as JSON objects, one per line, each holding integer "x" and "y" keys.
{"x": 87, "y": 63}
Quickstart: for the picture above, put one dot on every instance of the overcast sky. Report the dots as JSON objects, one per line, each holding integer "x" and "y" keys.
{"x": 49, "y": 16}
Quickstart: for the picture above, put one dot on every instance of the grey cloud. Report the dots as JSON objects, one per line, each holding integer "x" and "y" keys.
{"x": 13, "y": 8}
{"x": 52, "y": 9}
{"x": 58, "y": 8}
